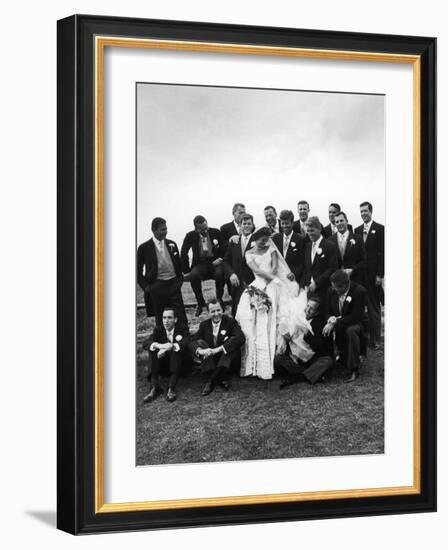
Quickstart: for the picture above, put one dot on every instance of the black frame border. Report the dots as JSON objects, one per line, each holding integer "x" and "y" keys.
{"x": 76, "y": 261}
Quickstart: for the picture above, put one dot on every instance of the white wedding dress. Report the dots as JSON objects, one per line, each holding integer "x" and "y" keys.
{"x": 268, "y": 332}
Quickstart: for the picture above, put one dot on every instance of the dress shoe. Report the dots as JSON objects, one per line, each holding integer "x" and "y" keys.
{"x": 171, "y": 395}
{"x": 198, "y": 310}
{"x": 153, "y": 393}
{"x": 225, "y": 385}
{"x": 208, "y": 388}
{"x": 353, "y": 376}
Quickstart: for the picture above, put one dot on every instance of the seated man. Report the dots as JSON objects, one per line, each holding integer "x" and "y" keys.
{"x": 315, "y": 369}
{"x": 168, "y": 352}
{"x": 207, "y": 248}
{"x": 346, "y": 318}
{"x": 217, "y": 345}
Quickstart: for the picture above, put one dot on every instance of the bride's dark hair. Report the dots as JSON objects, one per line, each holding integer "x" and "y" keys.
{"x": 262, "y": 232}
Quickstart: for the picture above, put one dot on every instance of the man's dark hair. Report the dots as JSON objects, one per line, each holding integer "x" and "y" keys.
{"x": 213, "y": 302}
{"x": 304, "y": 202}
{"x": 339, "y": 277}
{"x": 170, "y": 308}
{"x": 199, "y": 219}
{"x": 368, "y": 204}
{"x": 313, "y": 221}
{"x": 340, "y": 213}
{"x": 156, "y": 223}
{"x": 286, "y": 215}
{"x": 246, "y": 216}
{"x": 270, "y": 207}
{"x": 237, "y": 205}
{"x": 335, "y": 205}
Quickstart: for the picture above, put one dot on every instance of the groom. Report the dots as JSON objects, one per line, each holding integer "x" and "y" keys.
{"x": 291, "y": 245}
{"x": 235, "y": 267}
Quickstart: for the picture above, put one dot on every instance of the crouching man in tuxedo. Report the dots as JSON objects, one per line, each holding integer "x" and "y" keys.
{"x": 217, "y": 345}
{"x": 168, "y": 353}
{"x": 314, "y": 370}
{"x": 346, "y": 319}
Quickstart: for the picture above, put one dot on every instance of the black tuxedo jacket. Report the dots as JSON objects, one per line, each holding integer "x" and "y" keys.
{"x": 191, "y": 241}
{"x": 295, "y": 255}
{"x": 323, "y": 266}
{"x": 297, "y": 228}
{"x": 147, "y": 265}
{"x": 354, "y": 256}
{"x": 374, "y": 246}
{"x": 320, "y": 344}
{"x": 159, "y": 336}
{"x": 230, "y": 335}
{"x": 234, "y": 262}
{"x": 327, "y": 233}
{"x": 353, "y": 310}
{"x": 228, "y": 230}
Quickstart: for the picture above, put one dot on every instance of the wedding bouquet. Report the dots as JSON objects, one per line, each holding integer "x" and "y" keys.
{"x": 258, "y": 299}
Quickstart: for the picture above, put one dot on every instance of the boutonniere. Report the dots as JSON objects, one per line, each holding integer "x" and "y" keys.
{"x": 319, "y": 251}
{"x": 172, "y": 245}
{"x": 293, "y": 244}
{"x": 179, "y": 337}
{"x": 373, "y": 231}
{"x": 348, "y": 299}
{"x": 215, "y": 242}
{"x": 252, "y": 244}
{"x": 353, "y": 241}
{"x": 223, "y": 332}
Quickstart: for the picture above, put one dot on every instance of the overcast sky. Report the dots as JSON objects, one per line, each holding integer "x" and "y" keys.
{"x": 200, "y": 149}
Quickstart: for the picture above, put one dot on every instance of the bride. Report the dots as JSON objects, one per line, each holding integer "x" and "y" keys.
{"x": 271, "y": 310}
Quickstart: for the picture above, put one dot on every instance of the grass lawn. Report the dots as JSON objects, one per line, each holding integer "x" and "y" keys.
{"x": 255, "y": 420}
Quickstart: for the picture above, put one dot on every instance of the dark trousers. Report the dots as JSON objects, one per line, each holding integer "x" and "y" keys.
{"x": 163, "y": 294}
{"x": 348, "y": 341}
{"x": 168, "y": 365}
{"x": 217, "y": 367}
{"x": 203, "y": 271}
{"x": 374, "y": 293}
{"x": 312, "y": 371}
{"x": 236, "y": 292}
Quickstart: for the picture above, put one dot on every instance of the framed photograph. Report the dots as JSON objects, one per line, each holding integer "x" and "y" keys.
{"x": 246, "y": 274}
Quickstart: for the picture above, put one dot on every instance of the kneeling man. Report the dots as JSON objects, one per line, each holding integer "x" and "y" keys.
{"x": 168, "y": 352}
{"x": 217, "y": 344}
{"x": 346, "y": 318}
{"x": 322, "y": 360}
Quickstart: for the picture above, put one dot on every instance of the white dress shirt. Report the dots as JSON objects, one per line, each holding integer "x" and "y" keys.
{"x": 366, "y": 230}
{"x": 342, "y": 242}
{"x": 286, "y": 241}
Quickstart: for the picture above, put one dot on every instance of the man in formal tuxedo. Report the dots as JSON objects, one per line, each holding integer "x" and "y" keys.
{"x": 351, "y": 251}
{"x": 303, "y": 209}
{"x": 346, "y": 318}
{"x": 207, "y": 246}
{"x": 217, "y": 346}
{"x": 272, "y": 223}
{"x": 320, "y": 260}
{"x": 168, "y": 348}
{"x": 233, "y": 227}
{"x": 291, "y": 245}
{"x": 159, "y": 273}
{"x": 372, "y": 234}
{"x": 235, "y": 267}
{"x": 331, "y": 229}
{"x": 313, "y": 370}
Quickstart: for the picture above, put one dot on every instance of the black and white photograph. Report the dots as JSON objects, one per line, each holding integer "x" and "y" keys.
{"x": 260, "y": 304}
